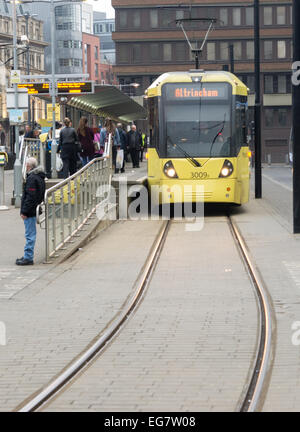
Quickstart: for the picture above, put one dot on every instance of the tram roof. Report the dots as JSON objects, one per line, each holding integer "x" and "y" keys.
{"x": 238, "y": 87}
{"x": 109, "y": 101}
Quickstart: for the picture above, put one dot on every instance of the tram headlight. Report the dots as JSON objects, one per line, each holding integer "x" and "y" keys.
{"x": 169, "y": 170}
{"x": 227, "y": 169}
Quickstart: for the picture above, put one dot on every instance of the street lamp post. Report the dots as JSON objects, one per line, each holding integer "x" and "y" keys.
{"x": 53, "y": 93}
{"x": 17, "y": 165}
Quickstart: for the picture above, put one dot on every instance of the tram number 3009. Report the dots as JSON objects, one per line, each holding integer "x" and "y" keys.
{"x": 199, "y": 175}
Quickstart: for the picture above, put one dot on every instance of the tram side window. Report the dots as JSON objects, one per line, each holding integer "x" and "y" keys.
{"x": 153, "y": 121}
{"x": 240, "y": 126}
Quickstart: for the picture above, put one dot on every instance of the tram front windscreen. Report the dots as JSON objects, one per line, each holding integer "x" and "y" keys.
{"x": 197, "y": 119}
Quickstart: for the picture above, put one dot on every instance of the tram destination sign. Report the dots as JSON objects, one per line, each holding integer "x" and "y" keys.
{"x": 63, "y": 87}
{"x": 192, "y": 91}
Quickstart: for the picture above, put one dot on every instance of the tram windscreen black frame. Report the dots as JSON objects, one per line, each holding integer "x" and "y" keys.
{"x": 232, "y": 126}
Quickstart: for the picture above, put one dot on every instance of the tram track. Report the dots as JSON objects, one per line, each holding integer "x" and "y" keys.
{"x": 255, "y": 388}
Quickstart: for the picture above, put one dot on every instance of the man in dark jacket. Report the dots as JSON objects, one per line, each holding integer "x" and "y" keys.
{"x": 33, "y": 195}
{"x": 134, "y": 143}
{"x": 28, "y": 132}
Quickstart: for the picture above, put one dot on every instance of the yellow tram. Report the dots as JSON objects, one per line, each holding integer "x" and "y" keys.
{"x": 198, "y": 137}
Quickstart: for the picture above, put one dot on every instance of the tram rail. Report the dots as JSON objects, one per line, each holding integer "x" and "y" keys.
{"x": 256, "y": 389}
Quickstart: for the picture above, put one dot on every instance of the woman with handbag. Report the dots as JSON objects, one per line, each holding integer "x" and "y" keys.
{"x": 86, "y": 138}
{"x": 68, "y": 148}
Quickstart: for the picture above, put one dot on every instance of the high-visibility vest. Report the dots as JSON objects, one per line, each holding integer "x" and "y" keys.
{"x": 143, "y": 139}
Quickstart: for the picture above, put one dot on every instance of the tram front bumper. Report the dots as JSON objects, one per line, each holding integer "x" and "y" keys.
{"x": 176, "y": 191}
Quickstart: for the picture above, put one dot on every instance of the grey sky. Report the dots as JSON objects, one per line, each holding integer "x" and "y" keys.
{"x": 103, "y": 6}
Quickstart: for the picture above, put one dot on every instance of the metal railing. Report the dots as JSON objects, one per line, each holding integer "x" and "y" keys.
{"x": 32, "y": 147}
{"x": 72, "y": 202}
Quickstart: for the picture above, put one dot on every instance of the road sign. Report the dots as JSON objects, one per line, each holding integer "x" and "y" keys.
{"x": 75, "y": 87}
{"x": 15, "y": 76}
{"x": 35, "y": 88}
{"x": 16, "y": 115}
{"x": 67, "y": 87}
{"x": 50, "y": 111}
{"x": 22, "y": 98}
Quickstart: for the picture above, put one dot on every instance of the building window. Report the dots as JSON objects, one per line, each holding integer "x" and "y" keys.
{"x": 180, "y": 51}
{"x": 38, "y": 62}
{"x": 167, "y": 52}
{"x": 236, "y": 16}
{"x": 250, "y": 50}
{"x": 153, "y": 18}
{"x": 136, "y": 53}
{"x": 249, "y": 16}
{"x": 237, "y": 50}
{"x": 268, "y": 50}
{"x": 123, "y": 18}
{"x": 96, "y": 70}
{"x": 166, "y": 18}
{"x": 280, "y": 15}
{"x": 154, "y": 52}
{"x": 96, "y": 52}
{"x": 251, "y": 83}
{"x": 136, "y": 19}
{"x": 68, "y": 17}
{"x": 211, "y": 51}
{"x": 281, "y": 49}
{"x": 268, "y": 15}
{"x": 179, "y": 14}
{"x": 269, "y": 84}
{"x": 282, "y": 87}
{"x": 224, "y": 17}
{"x": 224, "y": 51}
{"x": 123, "y": 53}
{"x": 282, "y": 117}
{"x": 269, "y": 117}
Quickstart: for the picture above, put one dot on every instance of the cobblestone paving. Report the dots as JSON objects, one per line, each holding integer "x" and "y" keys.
{"x": 50, "y": 321}
{"x": 190, "y": 344}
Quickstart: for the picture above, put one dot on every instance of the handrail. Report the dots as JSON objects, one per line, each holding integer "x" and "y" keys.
{"x": 72, "y": 202}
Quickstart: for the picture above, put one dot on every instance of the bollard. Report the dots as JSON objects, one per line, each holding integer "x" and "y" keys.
{"x": 269, "y": 159}
{"x": 3, "y": 163}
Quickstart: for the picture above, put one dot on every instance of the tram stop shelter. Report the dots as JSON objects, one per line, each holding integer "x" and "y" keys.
{"x": 109, "y": 101}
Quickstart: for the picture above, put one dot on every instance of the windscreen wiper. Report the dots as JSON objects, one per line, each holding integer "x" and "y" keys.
{"x": 218, "y": 133}
{"x": 193, "y": 161}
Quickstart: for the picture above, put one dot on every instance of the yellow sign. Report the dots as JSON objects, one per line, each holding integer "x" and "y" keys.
{"x": 15, "y": 76}
{"x": 50, "y": 111}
